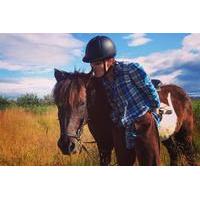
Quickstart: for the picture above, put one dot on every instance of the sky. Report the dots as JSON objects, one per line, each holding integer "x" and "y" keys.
{"x": 27, "y": 61}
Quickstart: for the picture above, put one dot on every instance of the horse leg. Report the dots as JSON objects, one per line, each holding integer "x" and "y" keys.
{"x": 105, "y": 148}
{"x": 104, "y": 141}
{"x": 173, "y": 151}
{"x": 105, "y": 155}
{"x": 147, "y": 140}
{"x": 184, "y": 141}
{"x": 125, "y": 157}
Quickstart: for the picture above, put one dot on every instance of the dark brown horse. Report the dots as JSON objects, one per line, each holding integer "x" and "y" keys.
{"x": 81, "y": 99}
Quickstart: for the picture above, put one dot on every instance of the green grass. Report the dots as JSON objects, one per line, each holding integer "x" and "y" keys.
{"x": 37, "y": 109}
{"x": 196, "y": 111}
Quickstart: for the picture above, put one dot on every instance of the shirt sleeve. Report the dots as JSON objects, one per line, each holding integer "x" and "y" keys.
{"x": 144, "y": 84}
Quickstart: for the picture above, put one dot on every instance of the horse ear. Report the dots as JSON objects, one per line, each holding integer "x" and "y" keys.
{"x": 60, "y": 75}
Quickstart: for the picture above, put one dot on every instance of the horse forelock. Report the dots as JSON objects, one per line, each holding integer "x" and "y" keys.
{"x": 71, "y": 90}
{"x": 74, "y": 92}
{"x": 60, "y": 91}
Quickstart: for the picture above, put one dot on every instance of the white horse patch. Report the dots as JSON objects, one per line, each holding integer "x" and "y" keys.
{"x": 169, "y": 120}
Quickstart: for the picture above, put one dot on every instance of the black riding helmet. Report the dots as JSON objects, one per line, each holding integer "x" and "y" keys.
{"x": 99, "y": 48}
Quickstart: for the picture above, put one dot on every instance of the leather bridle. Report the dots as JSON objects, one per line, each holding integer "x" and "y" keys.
{"x": 84, "y": 121}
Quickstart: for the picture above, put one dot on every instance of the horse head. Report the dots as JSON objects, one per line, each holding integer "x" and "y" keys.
{"x": 70, "y": 98}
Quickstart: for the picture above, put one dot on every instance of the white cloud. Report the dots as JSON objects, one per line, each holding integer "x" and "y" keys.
{"x": 39, "y": 86}
{"x": 168, "y": 66}
{"x": 137, "y": 39}
{"x": 169, "y": 78}
{"x": 25, "y": 51}
{"x": 9, "y": 66}
{"x": 192, "y": 42}
{"x": 35, "y": 53}
{"x": 173, "y": 60}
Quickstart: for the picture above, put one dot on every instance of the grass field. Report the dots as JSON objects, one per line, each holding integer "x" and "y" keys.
{"x": 29, "y": 137}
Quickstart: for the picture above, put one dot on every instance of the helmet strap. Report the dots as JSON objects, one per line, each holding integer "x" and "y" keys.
{"x": 104, "y": 66}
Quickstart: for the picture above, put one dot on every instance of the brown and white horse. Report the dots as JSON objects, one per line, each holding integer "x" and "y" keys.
{"x": 81, "y": 99}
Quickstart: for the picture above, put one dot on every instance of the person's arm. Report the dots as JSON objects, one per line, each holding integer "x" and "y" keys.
{"x": 143, "y": 82}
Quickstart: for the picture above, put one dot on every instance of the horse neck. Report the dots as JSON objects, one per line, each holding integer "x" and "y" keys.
{"x": 100, "y": 91}
{"x": 103, "y": 100}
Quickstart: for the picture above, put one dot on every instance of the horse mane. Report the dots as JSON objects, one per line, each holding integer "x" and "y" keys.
{"x": 69, "y": 87}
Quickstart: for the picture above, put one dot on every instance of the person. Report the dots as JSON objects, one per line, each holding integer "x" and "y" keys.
{"x": 131, "y": 95}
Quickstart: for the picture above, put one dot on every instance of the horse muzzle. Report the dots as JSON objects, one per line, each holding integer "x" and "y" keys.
{"x": 68, "y": 145}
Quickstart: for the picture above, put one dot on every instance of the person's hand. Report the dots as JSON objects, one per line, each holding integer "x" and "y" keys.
{"x": 155, "y": 110}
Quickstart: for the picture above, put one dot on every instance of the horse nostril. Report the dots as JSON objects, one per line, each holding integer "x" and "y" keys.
{"x": 71, "y": 147}
{"x": 66, "y": 146}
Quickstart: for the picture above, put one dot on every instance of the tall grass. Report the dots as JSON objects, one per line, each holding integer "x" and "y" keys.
{"x": 28, "y": 136}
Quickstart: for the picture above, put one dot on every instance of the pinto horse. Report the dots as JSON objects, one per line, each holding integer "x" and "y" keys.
{"x": 81, "y": 99}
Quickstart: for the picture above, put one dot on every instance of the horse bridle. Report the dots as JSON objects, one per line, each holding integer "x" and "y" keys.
{"x": 83, "y": 122}
{"x": 79, "y": 131}
{"x": 77, "y": 136}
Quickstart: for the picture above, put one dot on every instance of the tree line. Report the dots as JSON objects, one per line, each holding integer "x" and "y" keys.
{"x": 26, "y": 100}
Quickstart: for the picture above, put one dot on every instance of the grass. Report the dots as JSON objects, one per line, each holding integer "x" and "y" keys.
{"x": 28, "y": 136}
{"x": 196, "y": 111}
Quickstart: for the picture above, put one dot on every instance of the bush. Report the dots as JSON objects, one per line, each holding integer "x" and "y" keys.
{"x": 32, "y": 103}
{"x": 36, "y": 109}
{"x": 48, "y": 100}
{"x": 4, "y": 103}
{"x": 28, "y": 100}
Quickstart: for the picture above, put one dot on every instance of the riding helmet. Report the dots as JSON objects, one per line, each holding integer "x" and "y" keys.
{"x": 99, "y": 48}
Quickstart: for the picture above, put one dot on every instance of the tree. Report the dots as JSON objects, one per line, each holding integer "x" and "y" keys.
{"x": 28, "y": 100}
{"x": 48, "y": 99}
{"x": 4, "y": 102}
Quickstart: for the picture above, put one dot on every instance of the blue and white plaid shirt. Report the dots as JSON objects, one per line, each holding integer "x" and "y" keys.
{"x": 131, "y": 93}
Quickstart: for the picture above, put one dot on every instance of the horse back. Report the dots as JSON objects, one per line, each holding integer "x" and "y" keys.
{"x": 181, "y": 103}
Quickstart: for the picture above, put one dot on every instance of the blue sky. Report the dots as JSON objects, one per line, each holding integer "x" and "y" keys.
{"x": 27, "y": 60}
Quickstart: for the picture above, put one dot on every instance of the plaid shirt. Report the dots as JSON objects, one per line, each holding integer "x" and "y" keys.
{"x": 131, "y": 93}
